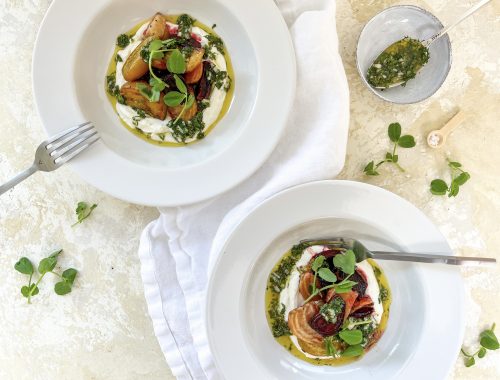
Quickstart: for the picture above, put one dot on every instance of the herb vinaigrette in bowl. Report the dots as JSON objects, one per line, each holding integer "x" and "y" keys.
{"x": 325, "y": 308}
{"x": 170, "y": 80}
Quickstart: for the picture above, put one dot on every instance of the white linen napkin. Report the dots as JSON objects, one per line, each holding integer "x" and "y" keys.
{"x": 177, "y": 249}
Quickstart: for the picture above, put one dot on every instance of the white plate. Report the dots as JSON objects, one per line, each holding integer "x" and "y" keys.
{"x": 68, "y": 85}
{"x": 426, "y": 322}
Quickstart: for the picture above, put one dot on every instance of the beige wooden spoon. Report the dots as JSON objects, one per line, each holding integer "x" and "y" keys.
{"x": 437, "y": 138}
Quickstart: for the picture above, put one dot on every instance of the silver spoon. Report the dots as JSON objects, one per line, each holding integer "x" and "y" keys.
{"x": 426, "y": 43}
{"x": 362, "y": 253}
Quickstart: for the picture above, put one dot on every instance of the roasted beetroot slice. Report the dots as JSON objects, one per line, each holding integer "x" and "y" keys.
{"x": 361, "y": 285}
{"x": 363, "y": 312}
{"x": 203, "y": 87}
{"x": 325, "y": 328}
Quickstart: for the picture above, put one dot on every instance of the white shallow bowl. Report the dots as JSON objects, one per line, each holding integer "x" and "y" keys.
{"x": 72, "y": 52}
{"x": 391, "y": 25}
{"x": 426, "y": 321}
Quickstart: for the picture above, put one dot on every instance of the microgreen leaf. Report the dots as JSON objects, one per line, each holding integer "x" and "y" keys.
{"x": 24, "y": 266}
{"x": 176, "y": 63}
{"x": 394, "y": 131}
{"x": 156, "y": 84}
{"x": 351, "y": 337}
{"x": 481, "y": 353}
{"x": 155, "y": 45}
{"x": 31, "y": 290}
{"x": 489, "y": 340}
{"x": 173, "y": 98}
{"x": 329, "y": 347}
{"x": 462, "y": 178}
{"x": 327, "y": 275}
{"x": 83, "y": 211}
{"x": 344, "y": 286}
{"x": 69, "y": 275}
{"x": 148, "y": 92}
{"x": 190, "y": 101}
{"x": 395, "y": 158}
{"x": 318, "y": 262}
{"x": 439, "y": 187}
{"x": 388, "y": 156}
{"x": 49, "y": 263}
{"x": 62, "y": 287}
{"x": 454, "y": 189}
{"x": 454, "y": 164}
{"x": 353, "y": 351}
{"x": 370, "y": 169}
{"x": 469, "y": 362}
{"x": 345, "y": 261}
{"x": 406, "y": 141}
{"x": 180, "y": 84}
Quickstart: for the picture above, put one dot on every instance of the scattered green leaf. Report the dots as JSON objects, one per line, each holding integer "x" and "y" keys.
{"x": 345, "y": 261}
{"x": 176, "y": 63}
{"x": 351, "y": 337}
{"x": 458, "y": 178}
{"x": 487, "y": 339}
{"x": 83, "y": 211}
{"x": 24, "y": 266}
{"x": 327, "y": 275}
{"x": 353, "y": 351}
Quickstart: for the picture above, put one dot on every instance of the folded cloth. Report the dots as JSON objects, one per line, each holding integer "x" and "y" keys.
{"x": 177, "y": 250}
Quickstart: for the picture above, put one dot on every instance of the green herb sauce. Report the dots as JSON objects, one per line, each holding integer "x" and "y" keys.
{"x": 400, "y": 62}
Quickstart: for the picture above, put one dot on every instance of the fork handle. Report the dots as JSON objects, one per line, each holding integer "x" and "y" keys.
{"x": 18, "y": 178}
{"x": 433, "y": 259}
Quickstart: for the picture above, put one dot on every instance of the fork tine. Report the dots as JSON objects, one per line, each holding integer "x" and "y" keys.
{"x": 76, "y": 150}
{"x": 59, "y": 148}
{"x": 65, "y": 133}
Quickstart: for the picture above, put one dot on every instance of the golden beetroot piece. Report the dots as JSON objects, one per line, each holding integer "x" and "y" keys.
{"x": 157, "y": 28}
{"x": 305, "y": 284}
{"x": 135, "y": 67}
{"x": 298, "y": 322}
{"x": 194, "y": 75}
{"x": 134, "y": 98}
{"x": 194, "y": 59}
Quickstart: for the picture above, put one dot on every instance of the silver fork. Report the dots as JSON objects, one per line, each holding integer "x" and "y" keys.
{"x": 56, "y": 151}
{"x": 362, "y": 253}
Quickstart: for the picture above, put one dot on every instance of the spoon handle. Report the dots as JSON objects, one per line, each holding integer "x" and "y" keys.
{"x": 445, "y": 30}
{"x": 454, "y": 122}
{"x": 432, "y": 259}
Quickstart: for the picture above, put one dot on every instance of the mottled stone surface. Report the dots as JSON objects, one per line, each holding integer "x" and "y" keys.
{"x": 102, "y": 330}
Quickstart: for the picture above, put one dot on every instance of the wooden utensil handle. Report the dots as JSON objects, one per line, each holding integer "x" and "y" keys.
{"x": 454, "y": 122}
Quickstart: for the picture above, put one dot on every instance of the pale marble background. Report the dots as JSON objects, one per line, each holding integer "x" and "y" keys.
{"x": 102, "y": 330}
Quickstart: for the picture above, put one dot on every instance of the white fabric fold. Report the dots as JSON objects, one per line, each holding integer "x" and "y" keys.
{"x": 177, "y": 250}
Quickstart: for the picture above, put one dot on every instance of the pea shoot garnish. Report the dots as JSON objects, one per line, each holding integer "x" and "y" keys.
{"x": 458, "y": 178}
{"x": 406, "y": 141}
{"x": 46, "y": 265}
{"x": 83, "y": 211}
{"x": 488, "y": 341}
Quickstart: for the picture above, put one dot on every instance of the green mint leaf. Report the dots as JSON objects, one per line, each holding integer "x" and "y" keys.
{"x": 462, "y": 178}
{"x": 318, "y": 262}
{"x": 180, "y": 84}
{"x": 353, "y": 351}
{"x": 439, "y": 187}
{"x": 327, "y": 275}
{"x": 406, "y": 141}
{"x": 69, "y": 275}
{"x": 173, "y": 98}
{"x": 345, "y": 261}
{"x": 24, "y": 266}
{"x": 488, "y": 340}
{"x": 176, "y": 63}
{"x": 454, "y": 164}
{"x": 62, "y": 287}
{"x": 469, "y": 362}
{"x": 394, "y": 131}
{"x": 351, "y": 337}
{"x": 49, "y": 263}
{"x": 481, "y": 353}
